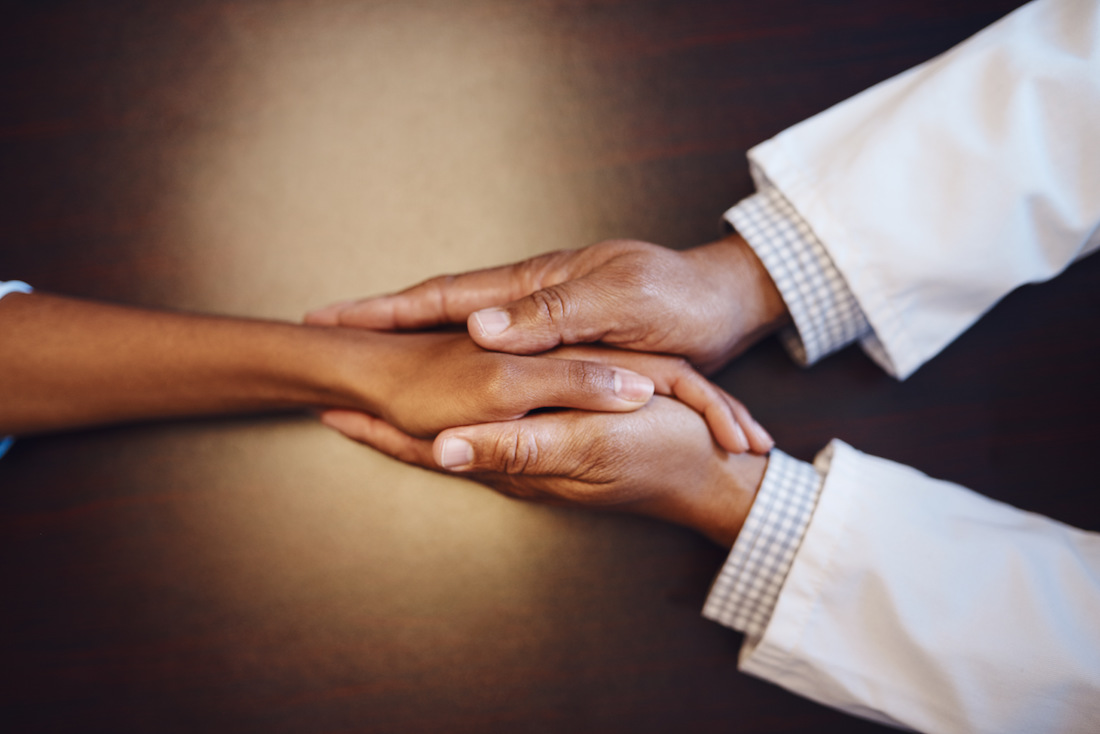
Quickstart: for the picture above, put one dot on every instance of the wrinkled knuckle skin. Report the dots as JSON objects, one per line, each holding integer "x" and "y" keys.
{"x": 551, "y": 305}
{"x": 516, "y": 452}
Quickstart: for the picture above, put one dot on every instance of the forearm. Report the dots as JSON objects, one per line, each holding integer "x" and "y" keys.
{"x": 70, "y": 363}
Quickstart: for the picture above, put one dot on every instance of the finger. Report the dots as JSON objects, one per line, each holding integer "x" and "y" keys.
{"x": 530, "y": 383}
{"x": 327, "y": 315}
{"x": 544, "y": 445}
{"x": 760, "y": 441}
{"x": 446, "y": 299}
{"x": 380, "y": 435}
{"x": 676, "y": 377}
{"x": 553, "y": 457}
{"x": 716, "y": 407}
{"x": 578, "y": 311}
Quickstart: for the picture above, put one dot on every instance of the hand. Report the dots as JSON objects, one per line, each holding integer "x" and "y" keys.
{"x": 658, "y": 461}
{"x": 425, "y": 382}
{"x": 707, "y": 304}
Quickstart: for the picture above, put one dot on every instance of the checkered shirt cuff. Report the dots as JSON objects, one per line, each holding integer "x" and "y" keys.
{"x": 747, "y": 588}
{"x": 825, "y": 313}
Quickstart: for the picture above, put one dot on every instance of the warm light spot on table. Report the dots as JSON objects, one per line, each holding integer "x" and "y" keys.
{"x": 357, "y": 150}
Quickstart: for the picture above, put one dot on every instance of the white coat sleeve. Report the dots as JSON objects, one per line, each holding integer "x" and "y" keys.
{"x": 912, "y": 601}
{"x": 919, "y": 603}
{"x": 942, "y": 189}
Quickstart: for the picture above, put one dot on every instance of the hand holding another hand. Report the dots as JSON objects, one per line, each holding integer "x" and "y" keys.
{"x": 707, "y": 304}
{"x": 658, "y": 461}
{"x": 423, "y": 383}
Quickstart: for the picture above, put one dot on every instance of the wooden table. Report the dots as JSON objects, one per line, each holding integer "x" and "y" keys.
{"x": 252, "y": 158}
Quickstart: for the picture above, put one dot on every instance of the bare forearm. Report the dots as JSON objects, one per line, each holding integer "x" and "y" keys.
{"x": 70, "y": 363}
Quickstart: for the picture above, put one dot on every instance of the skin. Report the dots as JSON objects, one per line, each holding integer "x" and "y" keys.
{"x": 70, "y": 363}
{"x": 707, "y": 305}
{"x": 659, "y": 461}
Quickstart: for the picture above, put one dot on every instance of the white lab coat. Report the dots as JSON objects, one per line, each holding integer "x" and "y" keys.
{"x": 942, "y": 189}
{"x": 913, "y": 601}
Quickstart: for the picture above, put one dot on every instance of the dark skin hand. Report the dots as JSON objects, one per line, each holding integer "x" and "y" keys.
{"x": 659, "y": 461}
{"x": 707, "y": 304}
{"x": 70, "y": 363}
{"x": 479, "y": 386}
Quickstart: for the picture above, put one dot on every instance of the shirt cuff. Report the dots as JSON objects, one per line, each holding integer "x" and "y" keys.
{"x": 6, "y": 287}
{"x": 13, "y": 286}
{"x": 824, "y": 310}
{"x": 747, "y": 588}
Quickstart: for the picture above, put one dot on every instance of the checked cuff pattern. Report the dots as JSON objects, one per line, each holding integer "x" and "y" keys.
{"x": 825, "y": 313}
{"x": 747, "y": 588}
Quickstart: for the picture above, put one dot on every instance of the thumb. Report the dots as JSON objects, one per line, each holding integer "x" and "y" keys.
{"x": 567, "y": 457}
{"x": 573, "y": 312}
{"x": 534, "y": 446}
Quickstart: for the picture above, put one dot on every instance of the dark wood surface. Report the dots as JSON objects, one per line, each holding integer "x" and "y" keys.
{"x": 261, "y": 158}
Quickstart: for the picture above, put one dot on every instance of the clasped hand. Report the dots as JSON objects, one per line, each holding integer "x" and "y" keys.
{"x": 706, "y": 305}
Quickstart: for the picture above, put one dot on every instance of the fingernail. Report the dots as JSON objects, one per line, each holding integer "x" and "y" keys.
{"x": 492, "y": 321}
{"x": 632, "y": 386}
{"x": 760, "y": 434}
{"x": 456, "y": 452}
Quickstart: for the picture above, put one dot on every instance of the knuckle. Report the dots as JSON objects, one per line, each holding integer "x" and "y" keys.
{"x": 682, "y": 367}
{"x": 437, "y": 289}
{"x": 588, "y": 378}
{"x": 412, "y": 454}
{"x": 496, "y": 378}
{"x": 426, "y": 287}
{"x": 516, "y": 452}
{"x": 650, "y": 287}
{"x": 534, "y": 273}
{"x": 551, "y": 305}
{"x": 505, "y": 391}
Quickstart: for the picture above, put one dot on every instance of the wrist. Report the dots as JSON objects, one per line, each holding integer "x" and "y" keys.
{"x": 717, "y": 503}
{"x": 729, "y": 497}
{"x": 267, "y": 364}
{"x": 743, "y": 290}
{"x": 763, "y": 306}
{"x": 340, "y": 367}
